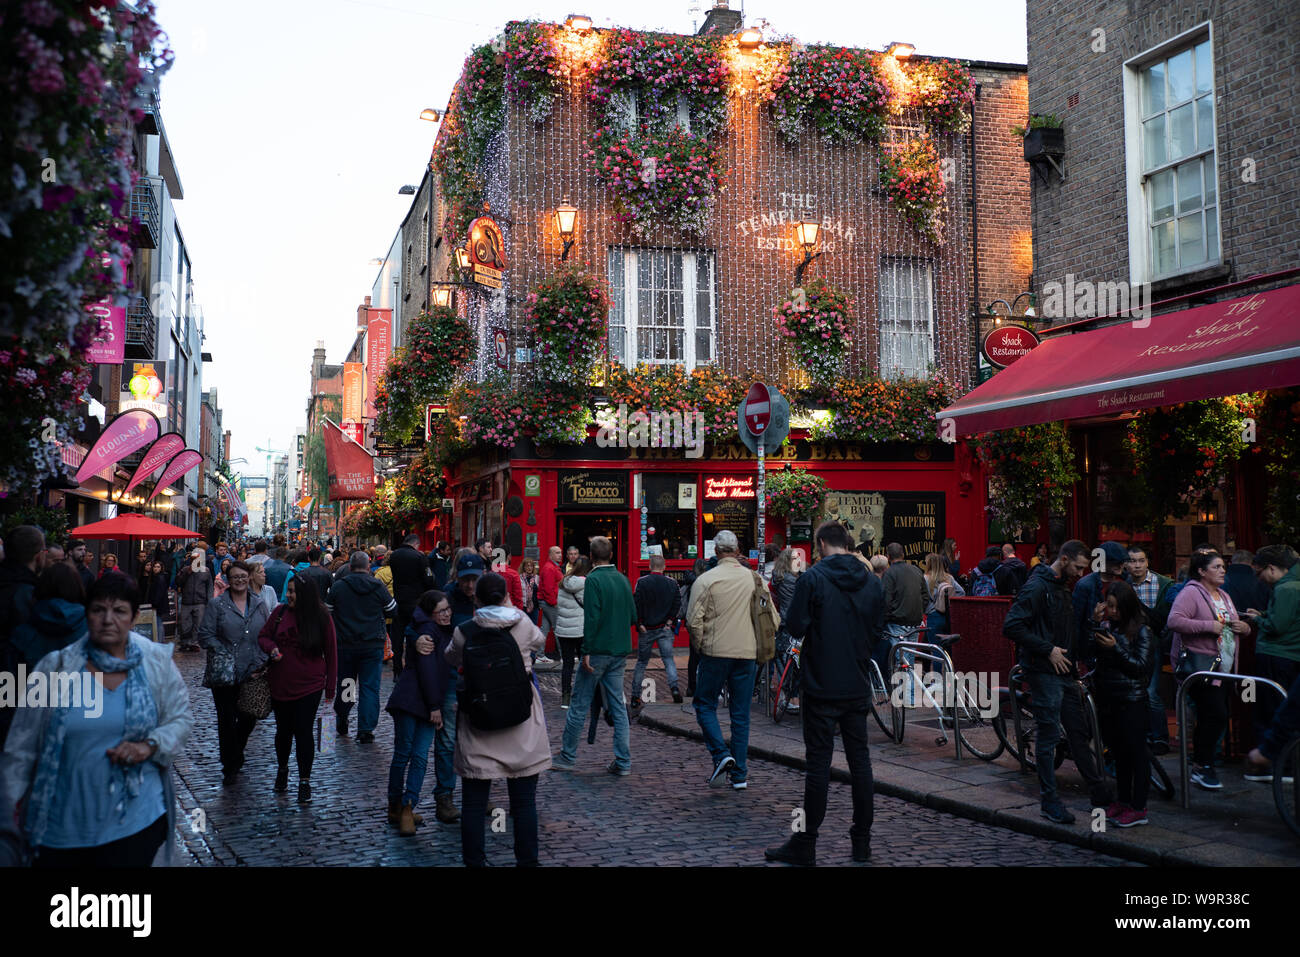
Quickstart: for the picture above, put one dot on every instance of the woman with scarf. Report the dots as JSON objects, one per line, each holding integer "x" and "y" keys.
{"x": 92, "y": 784}
{"x": 519, "y": 753}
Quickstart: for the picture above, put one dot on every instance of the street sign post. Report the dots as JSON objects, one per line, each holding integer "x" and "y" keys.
{"x": 764, "y": 422}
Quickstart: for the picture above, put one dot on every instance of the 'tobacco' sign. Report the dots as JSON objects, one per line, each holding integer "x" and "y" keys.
{"x": 1006, "y": 344}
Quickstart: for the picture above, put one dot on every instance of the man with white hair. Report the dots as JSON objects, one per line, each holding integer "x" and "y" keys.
{"x": 719, "y": 620}
{"x": 359, "y": 603}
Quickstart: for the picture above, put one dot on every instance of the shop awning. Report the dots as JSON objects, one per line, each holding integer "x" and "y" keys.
{"x": 1243, "y": 345}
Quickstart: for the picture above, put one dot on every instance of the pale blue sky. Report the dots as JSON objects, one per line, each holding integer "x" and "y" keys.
{"x": 294, "y": 123}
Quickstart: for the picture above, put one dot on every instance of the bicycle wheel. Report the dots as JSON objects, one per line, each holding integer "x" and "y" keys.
{"x": 898, "y": 713}
{"x": 1285, "y": 794}
{"x": 781, "y": 696}
{"x": 880, "y": 700}
{"x": 1025, "y": 730}
{"x": 978, "y": 732}
{"x": 1160, "y": 782}
{"x": 1002, "y": 726}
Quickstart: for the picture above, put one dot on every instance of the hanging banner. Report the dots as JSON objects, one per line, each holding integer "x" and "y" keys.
{"x": 125, "y": 435}
{"x": 159, "y": 454}
{"x": 354, "y": 387}
{"x": 109, "y": 344}
{"x": 379, "y": 347}
{"x": 350, "y": 468}
{"x": 178, "y": 466}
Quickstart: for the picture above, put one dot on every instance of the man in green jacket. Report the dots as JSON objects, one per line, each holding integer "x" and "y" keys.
{"x": 609, "y": 613}
{"x": 1277, "y": 650}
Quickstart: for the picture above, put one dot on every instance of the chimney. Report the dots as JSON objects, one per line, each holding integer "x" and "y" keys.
{"x": 317, "y": 361}
{"x": 721, "y": 20}
{"x": 225, "y": 445}
{"x": 363, "y": 314}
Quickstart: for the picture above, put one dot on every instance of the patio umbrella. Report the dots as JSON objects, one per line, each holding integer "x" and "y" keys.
{"x": 131, "y": 526}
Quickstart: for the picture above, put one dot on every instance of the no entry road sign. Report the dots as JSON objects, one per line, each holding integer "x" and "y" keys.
{"x": 757, "y": 409}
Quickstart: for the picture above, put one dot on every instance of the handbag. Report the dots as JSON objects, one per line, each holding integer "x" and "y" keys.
{"x": 1190, "y": 662}
{"x": 255, "y": 696}
{"x": 326, "y": 734}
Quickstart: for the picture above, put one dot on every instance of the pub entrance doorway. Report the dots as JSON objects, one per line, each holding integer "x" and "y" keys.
{"x": 580, "y": 529}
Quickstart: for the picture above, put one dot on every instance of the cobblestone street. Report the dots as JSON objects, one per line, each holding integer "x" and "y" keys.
{"x": 663, "y": 814}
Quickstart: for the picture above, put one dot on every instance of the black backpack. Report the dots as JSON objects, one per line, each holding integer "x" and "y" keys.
{"x": 498, "y": 693}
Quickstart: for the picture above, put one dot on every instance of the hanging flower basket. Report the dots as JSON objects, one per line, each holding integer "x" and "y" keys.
{"x": 910, "y": 175}
{"x": 1026, "y": 466}
{"x": 795, "y": 492}
{"x": 816, "y": 325}
{"x": 569, "y": 312}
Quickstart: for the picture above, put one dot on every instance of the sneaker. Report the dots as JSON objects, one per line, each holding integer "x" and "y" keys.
{"x": 1132, "y": 818}
{"x": 719, "y": 776}
{"x": 1057, "y": 813}
{"x": 365, "y": 737}
{"x": 793, "y": 708}
{"x": 304, "y": 792}
{"x": 1259, "y": 776}
{"x": 1207, "y": 779}
{"x": 677, "y": 696}
{"x": 281, "y": 781}
{"x": 564, "y": 701}
{"x": 636, "y": 703}
{"x": 543, "y": 660}
{"x": 739, "y": 785}
{"x": 613, "y": 768}
{"x": 1115, "y": 810}
{"x": 558, "y": 763}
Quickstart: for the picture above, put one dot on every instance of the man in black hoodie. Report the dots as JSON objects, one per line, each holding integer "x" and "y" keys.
{"x": 838, "y": 609}
{"x": 359, "y": 604}
{"x": 19, "y": 573}
{"x": 1043, "y": 625}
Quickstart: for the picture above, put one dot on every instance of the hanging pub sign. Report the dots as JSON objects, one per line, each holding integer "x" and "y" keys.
{"x": 1005, "y": 344}
{"x": 593, "y": 488}
{"x": 487, "y": 252}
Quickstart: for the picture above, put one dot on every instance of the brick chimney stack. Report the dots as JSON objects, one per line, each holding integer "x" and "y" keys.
{"x": 317, "y": 361}
{"x": 721, "y": 20}
{"x": 363, "y": 314}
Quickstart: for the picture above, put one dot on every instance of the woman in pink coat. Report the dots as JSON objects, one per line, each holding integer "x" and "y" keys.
{"x": 518, "y": 753}
{"x": 1206, "y": 627}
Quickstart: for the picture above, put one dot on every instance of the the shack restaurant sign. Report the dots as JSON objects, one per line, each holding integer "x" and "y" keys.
{"x": 1006, "y": 344}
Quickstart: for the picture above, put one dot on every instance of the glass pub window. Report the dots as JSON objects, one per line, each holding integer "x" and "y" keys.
{"x": 906, "y": 318}
{"x": 1178, "y": 175}
{"x": 663, "y": 307}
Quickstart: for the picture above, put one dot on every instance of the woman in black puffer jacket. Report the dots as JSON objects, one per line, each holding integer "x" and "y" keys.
{"x": 1125, "y": 651}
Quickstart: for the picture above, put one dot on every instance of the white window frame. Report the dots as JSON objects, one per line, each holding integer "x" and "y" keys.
{"x": 927, "y": 267}
{"x": 1141, "y": 256}
{"x": 692, "y": 276}
{"x": 629, "y": 112}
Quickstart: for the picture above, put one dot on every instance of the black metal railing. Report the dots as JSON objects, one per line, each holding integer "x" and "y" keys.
{"x": 141, "y": 329}
{"x": 145, "y": 216}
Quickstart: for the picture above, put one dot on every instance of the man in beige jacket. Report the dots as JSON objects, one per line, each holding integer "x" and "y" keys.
{"x": 719, "y": 621}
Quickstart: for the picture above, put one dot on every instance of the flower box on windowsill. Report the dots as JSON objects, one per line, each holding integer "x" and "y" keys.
{"x": 1043, "y": 142}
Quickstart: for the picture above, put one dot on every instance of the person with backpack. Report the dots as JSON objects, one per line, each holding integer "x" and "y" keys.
{"x": 362, "y": 610}
{"x": 502, "y": 732}
{"x": 721, "y": 616}
{"x": 657, "y": 599}
{"x": 983, "y": 583}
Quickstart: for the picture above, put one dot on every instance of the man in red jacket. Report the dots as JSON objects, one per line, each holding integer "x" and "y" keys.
{"x": 548, "y": 590}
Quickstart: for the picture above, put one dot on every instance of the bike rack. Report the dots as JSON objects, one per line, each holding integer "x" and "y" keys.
{"x": 925, "y": 650}
{"x": 1186, "y": 773}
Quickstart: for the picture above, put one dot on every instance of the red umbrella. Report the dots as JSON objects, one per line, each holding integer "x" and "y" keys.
{"x": 132, "y": 525}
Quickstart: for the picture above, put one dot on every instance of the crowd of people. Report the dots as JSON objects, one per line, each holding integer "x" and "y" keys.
{"x": 286, "y": 628}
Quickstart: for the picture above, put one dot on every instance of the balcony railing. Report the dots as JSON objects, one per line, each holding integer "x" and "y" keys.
{"x": 147, "y": 99}
{"x": 145, "y": 217}
{"x": 141, "y": 329}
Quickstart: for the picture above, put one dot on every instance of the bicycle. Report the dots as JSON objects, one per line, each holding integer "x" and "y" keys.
{"x": 982, "y": 735}
{"x": 787, "y": 686}
{"x": 1285, "y": 795}
{"x": 1025, "y": 730}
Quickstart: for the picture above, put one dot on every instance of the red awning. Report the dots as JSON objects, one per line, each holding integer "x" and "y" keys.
{"x": 1242, "y": 345}
{"x": 132, "y": 525}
